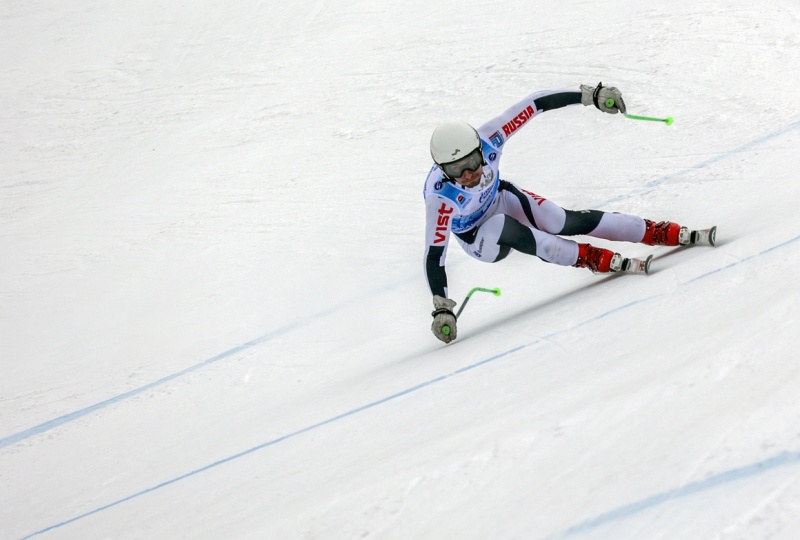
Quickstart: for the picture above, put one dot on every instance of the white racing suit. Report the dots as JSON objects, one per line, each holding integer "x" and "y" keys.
{"x": 496, "y": 216}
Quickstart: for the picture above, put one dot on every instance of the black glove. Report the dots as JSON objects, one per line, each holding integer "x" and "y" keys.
{"x": 444, "y": 320}
{"x": 598, "y": 95}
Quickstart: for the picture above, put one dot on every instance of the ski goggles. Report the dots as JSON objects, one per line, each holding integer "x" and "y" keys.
{"x": 469, "y": 163}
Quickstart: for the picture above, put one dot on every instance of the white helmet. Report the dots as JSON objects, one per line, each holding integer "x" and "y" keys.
{"x": 452, "y": 141}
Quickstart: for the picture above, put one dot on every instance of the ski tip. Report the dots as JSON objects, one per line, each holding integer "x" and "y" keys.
{"x": 647, "y": 262}
{"x": 712, "y": 236}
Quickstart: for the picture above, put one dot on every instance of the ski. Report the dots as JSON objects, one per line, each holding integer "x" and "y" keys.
{"x": 704, "y": 237}
{"x": 700, "y": 237}
{"x": 633, "y": 265}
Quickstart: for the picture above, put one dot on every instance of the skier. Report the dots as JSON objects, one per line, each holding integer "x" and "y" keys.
{"x": 489, "y": 217}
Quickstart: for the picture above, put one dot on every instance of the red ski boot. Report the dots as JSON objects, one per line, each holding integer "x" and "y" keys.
{"x": 598, "y": 259}
{"x": 665, "y": 233}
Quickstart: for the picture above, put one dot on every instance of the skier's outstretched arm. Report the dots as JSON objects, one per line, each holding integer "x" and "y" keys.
{"x": 508, "y": 123}
{"x": 437, "y": 237}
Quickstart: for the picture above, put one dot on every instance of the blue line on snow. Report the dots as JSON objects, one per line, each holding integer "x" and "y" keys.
{"x": 55, "y": 422}
{"x": 278, "y": 440}
{"x": 773, "y": 248}
{"x": 64, "y": 419}
{"x": 623, "y": 512}
{"x": 710, "y": 161}
{"x": 748, "y": 471}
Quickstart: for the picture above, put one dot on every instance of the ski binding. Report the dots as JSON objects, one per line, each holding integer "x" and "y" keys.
{"x": 702, "y": 237}
{"x": 631, "y": 265}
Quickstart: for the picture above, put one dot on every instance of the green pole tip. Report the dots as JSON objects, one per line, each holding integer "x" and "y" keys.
{"x": 496, "y": 291}
{"x": 669, "y": 120}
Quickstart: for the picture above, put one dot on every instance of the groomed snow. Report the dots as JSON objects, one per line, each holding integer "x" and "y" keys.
{"x": 213, "y": 317}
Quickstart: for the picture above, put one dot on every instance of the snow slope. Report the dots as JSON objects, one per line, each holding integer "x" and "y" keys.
{"x": 213, "y": 318}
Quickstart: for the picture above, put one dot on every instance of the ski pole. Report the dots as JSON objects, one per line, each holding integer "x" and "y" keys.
{"x": 668, "y": 120}
{"x": 495, "y": 291}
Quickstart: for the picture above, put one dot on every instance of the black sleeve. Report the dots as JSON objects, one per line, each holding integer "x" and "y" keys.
{"x": 437, "y": 277}
{"x": 556, "y": 101}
